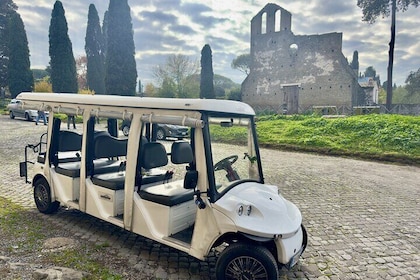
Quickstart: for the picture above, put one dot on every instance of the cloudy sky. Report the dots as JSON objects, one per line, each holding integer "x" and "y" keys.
{"x": 165, "y": 27}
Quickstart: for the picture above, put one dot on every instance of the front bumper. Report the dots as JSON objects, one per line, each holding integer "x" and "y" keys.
{"x": 290, "y": 249}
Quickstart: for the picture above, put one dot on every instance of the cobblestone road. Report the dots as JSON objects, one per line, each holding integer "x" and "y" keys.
{"x": 362, "y": 217}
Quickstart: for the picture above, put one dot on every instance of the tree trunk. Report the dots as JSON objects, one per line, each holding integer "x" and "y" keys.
{"x": 391, "y": 59}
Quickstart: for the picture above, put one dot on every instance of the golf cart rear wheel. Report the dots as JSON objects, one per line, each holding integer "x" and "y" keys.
{"x": 42, "y": 197}
{"x": 242, "y": 261}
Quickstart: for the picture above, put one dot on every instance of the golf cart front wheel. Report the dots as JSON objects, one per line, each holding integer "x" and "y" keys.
{"x": 42, "y": 197}
{"x": 242, "y": 261}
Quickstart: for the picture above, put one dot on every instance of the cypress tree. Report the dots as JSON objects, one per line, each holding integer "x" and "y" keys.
{"x": 105, "y": 31}
{"x": 94, "y": 48}
{"x": 120, "y": 65}
{"x": 20, "y": 74}
{"x": 6, "y": 8}
{"x": 206, "y": 81}
{"x": 355, "y": 62}
{"x": 63, "y": 65}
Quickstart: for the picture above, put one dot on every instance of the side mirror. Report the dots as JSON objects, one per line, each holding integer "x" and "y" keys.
{"x": 191, "y": 178}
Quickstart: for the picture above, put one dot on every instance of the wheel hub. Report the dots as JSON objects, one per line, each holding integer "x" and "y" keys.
{"x": 246, "y": 268}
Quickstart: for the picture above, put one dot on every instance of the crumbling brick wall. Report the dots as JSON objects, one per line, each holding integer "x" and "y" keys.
{"x": 313, "y": 63}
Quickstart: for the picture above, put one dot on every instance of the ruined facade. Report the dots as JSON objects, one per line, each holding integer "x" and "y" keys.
{"x": 291, "y": 73}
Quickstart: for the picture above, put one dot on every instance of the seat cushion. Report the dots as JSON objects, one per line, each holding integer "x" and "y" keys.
{"x": 168, "y": 194}
{"x": 104, "y": 165}
{"x": 71, "y": 169}
{"x": 113, "y": 181}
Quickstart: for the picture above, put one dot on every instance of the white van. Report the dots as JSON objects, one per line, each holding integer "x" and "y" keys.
{"x": 196, "y": 194}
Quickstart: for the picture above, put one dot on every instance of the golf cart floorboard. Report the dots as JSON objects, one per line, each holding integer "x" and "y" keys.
{"x": 184, "y": 235}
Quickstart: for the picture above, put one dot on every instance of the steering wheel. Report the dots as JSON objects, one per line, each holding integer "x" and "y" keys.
{"x": 225, "y": 163}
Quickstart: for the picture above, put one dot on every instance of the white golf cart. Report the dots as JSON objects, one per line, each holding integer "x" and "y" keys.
{"x": 195, "y": 195}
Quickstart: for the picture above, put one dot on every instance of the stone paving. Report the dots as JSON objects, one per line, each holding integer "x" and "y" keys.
{"x": 362, "y": 217}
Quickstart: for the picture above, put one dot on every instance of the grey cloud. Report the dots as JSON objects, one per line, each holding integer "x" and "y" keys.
{"x": 333, "y": 7}
{"x": 195, "y": 8}
{"x": 218, "y": 43}
{"x": 195, "y": 12}
{"x": 183, "y": 29}
{"x": 159, "y": 17}
{"x": 149, "y": 40}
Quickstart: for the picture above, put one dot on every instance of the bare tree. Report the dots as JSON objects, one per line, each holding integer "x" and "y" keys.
{"x": 81, "y": 69}
{"x": 175, "y": 71}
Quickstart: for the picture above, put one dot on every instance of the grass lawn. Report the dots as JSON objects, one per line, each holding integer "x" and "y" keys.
{"x": 378, "y": 137}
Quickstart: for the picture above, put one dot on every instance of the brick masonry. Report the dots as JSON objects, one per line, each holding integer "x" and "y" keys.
{"x": 314, "y": 64}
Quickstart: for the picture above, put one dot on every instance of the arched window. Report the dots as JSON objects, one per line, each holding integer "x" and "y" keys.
{"x": 264, "y": 23}
{"x": 277, "y": 21}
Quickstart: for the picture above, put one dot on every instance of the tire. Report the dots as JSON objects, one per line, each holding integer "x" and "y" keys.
{"x": 160, "y": 134}
{"x": 27, "y": 117}
{"x": 241, "y": 261}
{"x": 42, "y": 197}
{"x": 12, "y": 116}
{"x": 126, "y": 130}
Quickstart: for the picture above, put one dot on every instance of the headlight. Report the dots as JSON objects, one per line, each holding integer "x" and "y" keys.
{"x": 240, "y": 210}
{"x": 248, "y": 210}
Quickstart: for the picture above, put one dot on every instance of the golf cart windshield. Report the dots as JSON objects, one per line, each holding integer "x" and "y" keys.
{"x": 234, "y": 153}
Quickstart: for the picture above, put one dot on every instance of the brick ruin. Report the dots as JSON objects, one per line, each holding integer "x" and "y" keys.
{"x": 292, "y": 73}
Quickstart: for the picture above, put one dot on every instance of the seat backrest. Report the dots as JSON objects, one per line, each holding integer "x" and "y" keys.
{"x": 69, "y": 141}
{"x": 153, "y": 155}
{"x": 181, "y": 152}
{"x": 107, "y": 146}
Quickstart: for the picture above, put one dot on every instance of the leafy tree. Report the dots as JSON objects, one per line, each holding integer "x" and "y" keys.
{"x": 39, "y": 74}
{"x": 120, "y": 65}
{"x": 371, "y": 11}
{"x": 6, "y": 8}
{"x": 355, "y": 62}
{"x": 167, "y": 89}
{"x": 370, "y": 72}
{"x": 94, "y": 47}
{"x": 219, "y": 92}
{"x": 242, "y": 63}
{"x": 413, "y": 83}
{"x": 235, "y": 94}
{"x": 176, "y": 70}
{"x": 206, "y": 81}
{"x": 224, "y": 82}
{"x": 43, "y": 85}
{"x": 63, "y": 65}
{"x": 149, "y": 90}
{"x": 19, "y": 70}
{"x": 192, "y": 86}
{"x": 401, "y": 95}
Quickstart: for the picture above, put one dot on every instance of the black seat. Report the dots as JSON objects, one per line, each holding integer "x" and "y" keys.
{"x": 113, "y": 180}
{"x": 107, "y": 151}
{"x": 173, "y": 193}
{"x": 68, "y": 141}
